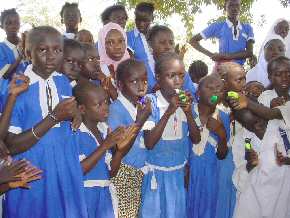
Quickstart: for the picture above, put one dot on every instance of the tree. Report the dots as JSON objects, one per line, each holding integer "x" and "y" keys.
{"x": 188, "y": 8}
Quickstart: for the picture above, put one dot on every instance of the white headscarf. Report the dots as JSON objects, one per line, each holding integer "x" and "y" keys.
{"x": 259, "y": 72}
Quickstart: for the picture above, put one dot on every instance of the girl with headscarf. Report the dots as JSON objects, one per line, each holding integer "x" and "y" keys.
{"x": 279, "y": 30}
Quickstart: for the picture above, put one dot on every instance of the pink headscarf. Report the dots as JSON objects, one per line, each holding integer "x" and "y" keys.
{"x": 104, "y": 58}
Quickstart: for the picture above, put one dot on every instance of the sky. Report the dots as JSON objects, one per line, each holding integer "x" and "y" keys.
{"x": 262, "y": 10}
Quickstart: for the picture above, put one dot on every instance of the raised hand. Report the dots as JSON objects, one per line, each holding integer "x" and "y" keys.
{"x": 238, "y": 104}
{"x": 4, "y": 152}
{"x": 252, "y": 158}
{"x": 173, "y": 105}
{"x": 130, "y": 133}
{"x": 18, "y": 84}
{"x": 77, "y": 120}
{"x": 217, "y": 127}
{"x": 30, "y": 174}
{"x": 186, "y": 106}
{"x": 276, "y": 102}
{"x": 66, "y": 109}
{"x": 143, "y": 112}
{"x": 114, "y": 137}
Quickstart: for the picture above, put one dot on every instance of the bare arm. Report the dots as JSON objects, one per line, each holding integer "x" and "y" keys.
{"x": 264, "y": 112}
{"x": 12, "y": 68}
{"x": 241, "y": 54}
{"x": 195, "y": 43}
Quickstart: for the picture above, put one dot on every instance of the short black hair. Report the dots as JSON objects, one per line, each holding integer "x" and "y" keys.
{"x": 69, "y": 5}
{"x": 82, "y": 89}
{"x": 271, "y": 41}
{"x": 212, "y": 77}
{"x": 153, "y": 31}
{"x": 198, "y": 68}
{"x": 125, "y": 67}
{"x": 70, "y": 44}
{"x": 37, "y": 34}
{"x": 162, "y": 61}
{"x": 105, "y": 16}
{"x": 146, "y": 7}
{"x": 276, "y": 62}
{"x": 6, "y": 13}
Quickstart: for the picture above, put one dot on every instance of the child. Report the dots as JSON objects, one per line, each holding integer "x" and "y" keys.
{"x": 161, "y": 40}
{"x": 167, "y": 139}
{"x": 85, "y": 36}
{"x": 197, "y": 70}
{"x": 71, "y": 17}
{"x": 272, "y": 49}
{"x": 37, "y": 134}
{"x": 95, "y": 147}
{"x": 132, "y": 83}
{"x": 93, "y": 71}
{"x": 236, "y": 39}
{"x": 214, "y": 127}
{"x": 73, "y": 56}
{"x": 137, "y": 41}
{"x": 279, "y": 76}
{"x": 254, "y": 89}
{"x": 116, "y": 14}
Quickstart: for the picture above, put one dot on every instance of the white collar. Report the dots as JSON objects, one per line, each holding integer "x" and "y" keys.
{"x": 128, "y": 105}
{"x": 69, "y": 35}
{"x": 36, "y": 78}
{"x": 161, "y": 101}
{"x": 10, "y": 45}
{"x": 102, "y": 127}
{"x": 231, "y": 25}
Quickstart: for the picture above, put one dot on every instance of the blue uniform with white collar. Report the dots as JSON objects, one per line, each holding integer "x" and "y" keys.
{"x": 228, "y": 42}
{"x": 59, "y": 193}
{"x": 97, "y": 186}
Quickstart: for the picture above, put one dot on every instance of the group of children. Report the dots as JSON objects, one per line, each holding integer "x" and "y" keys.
{"x": 119, "y": 128}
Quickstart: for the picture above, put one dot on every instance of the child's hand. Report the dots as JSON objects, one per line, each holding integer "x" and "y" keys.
{"x": 186, "y": 106}
{"x": 77, "y": 120}
{"x": 114, "y": 137}
{"x": 218, "y": 57}
{"x": 30, "y": 174}
{"x": 252, "y": 158}
{"x": 173, "y": 105}
{"x": 277, "y": 102}
{"x": 4, "y": 152}
{"x": 143, "y": 112}
{"x": 238, "y": 104}
{"x": 130, "y": 133}
{"x": 16, "y": 88}
{"x": 217, "y": 127}
{"x": 282, "y": 160}
{"x": 12, "y": 173}
{"x": 66, "y": 109}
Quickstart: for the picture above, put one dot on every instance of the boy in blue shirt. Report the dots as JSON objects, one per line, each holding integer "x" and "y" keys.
{"x": 236, "y": 39}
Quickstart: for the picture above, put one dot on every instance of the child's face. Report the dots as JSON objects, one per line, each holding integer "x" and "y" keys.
{"x": 280, "y": 77}
{"x": 236, "y": 80}
{"x": 115, "y": 45}
{"x": 233, "y": 9}
{"x": 71, "y": 18}
{"x": 120, "y": 17}
{"x": 72, "y": 63}
{"x": 135, "y": 85}
{"x": 172, "y": 77}
{"x": 274, "y": 49}
{"x": 210, "y": 87}
{"x": 254, "y": 90}
{"x": 96, "y": 108}
{"x": 47, "y": 55}
{"x": 162, "y": 43}
{"x": 91, "y": 64}
{"x": 11, "y": 24}
{"x": 143, "y": 21}
{"x": 282, "y": 29}
{"x": 85, "y": 37}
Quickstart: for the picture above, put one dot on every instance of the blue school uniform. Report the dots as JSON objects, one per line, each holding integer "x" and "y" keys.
{"x": 99, "y": 192}
{"x": 202, "y": 193}
{"x": 138, "y": 44}
{"x": 163, "y": 191}
{"x": 8, "y": 56}
{"x": 226, "y": 196}
{"x": 60, "y": 191}
{"x": 123, "y": 113}
{"x": 228, "y": 41}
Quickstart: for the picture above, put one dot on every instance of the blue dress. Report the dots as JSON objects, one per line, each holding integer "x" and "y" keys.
{"x": 7, "y": 57}
{"x": 226, "y": 196}
{"x": 163, "y": 190}
{"x": 96, "y": 182}
{"x": 60, "y": 191}
{"x": 202, "y": 193}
